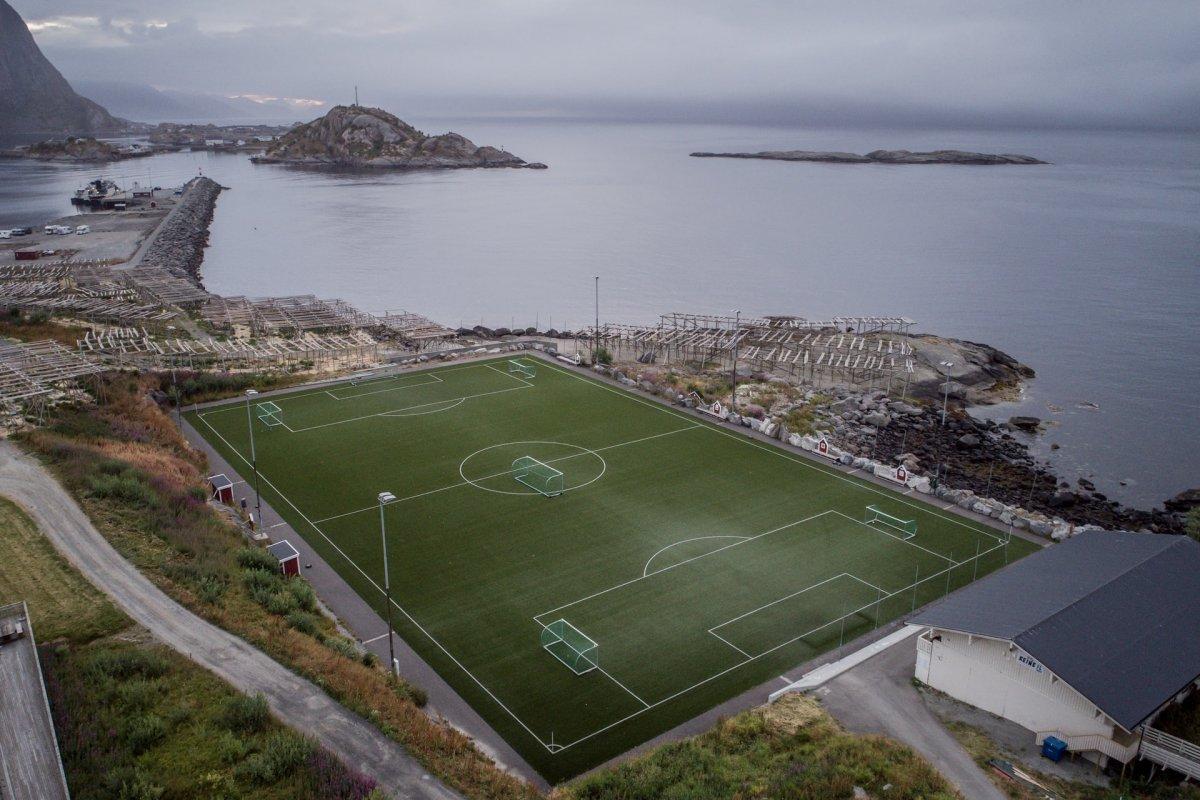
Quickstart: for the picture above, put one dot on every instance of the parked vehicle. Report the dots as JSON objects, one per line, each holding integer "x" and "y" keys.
{"x": 5, "y": 234}
{"x": 22, "y": 231}
{"x": 82, "y": 229}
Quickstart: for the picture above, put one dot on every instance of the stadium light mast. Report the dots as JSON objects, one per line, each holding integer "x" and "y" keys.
{"x": 737, "y": 327}
{"x": 253, "y": 457}
{"x": 384, "y": 499}
{"x": 946, "y": 386}
{"x": 596, "y": 333}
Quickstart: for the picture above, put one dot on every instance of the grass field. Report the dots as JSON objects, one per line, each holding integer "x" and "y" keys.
{"x": 701, "y": 562}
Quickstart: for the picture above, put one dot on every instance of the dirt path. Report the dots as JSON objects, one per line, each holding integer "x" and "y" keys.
{"x": 294, "y": 700}
{"x": 877, "y": 696}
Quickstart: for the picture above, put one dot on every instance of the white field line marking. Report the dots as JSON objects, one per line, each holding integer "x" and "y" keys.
{"x": 775, "y": 451}
{"x": 646, "y": 569}
{"x": 234, "y": 405}
{"x": 789, "y": 597}
{"x": 407, "y": 408}
{"x": 357, "y": 395}
{"x": 731, "y": 644}
{"x": 401, "y": 608}
{"x": 492, "y": 367}
{"x": 674, "y": 566}
{"x": 453, "y": 405}
{"x": 890, "y": 536}
{"x": 611, "y": 725}
{"x": 508, "y": 472}
{"x": 375, "y": 639}
{"x": 623, "y": 686}
{"x": 786, "y": 680}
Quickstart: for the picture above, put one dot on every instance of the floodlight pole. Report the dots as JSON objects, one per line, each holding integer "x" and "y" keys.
{"x": 384, "y": 499}
{"x": 946, "y": 386}
{"x": 253, "y": 458}
{"x": 596, "y": 332}
{"x": 737, "y": 327}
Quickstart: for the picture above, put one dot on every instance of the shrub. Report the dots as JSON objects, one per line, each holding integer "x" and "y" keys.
{"x": 343, "y": 646}
{"x": 246, "y": 714}
{"x": 262, "y": 579}
{"x": 212, "y": 589}
{"x": 116, "y": 665}
{"x": 257, "y": 558}
{"x": 139, "y": 694}
{"x": 282, "y": 752}
{"x": 281, "y": 603}
{"x": 303, "y": 622}
{"x": 304, "y": 595}
{"x": 143, "y": 732}
{"x": 127, "y": 487}
{"x": 230, "y": 748}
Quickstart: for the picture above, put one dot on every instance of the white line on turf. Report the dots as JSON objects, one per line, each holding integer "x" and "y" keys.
{"x": 768, "y": 449}
{"x": 890, "y": 536}
{"x": 375, "y": 639}
{"x": 731, "y": 644}
{"x": 623, "y": 686}
{"x": 357, "y": 395}
{"x": 646, "y": 569}
{"x": 787, "y": 597}
{"x": 392, "y": 411}
{"x": 452, "y": 405}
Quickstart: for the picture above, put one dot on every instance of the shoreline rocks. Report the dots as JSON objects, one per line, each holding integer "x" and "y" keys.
{"x": 962, "y": 157}
{"x": 179, "y": 246}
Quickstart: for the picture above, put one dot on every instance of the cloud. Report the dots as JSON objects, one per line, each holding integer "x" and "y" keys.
{"x": 1100, "y": 63}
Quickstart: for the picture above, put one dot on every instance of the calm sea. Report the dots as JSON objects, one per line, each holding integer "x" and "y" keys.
{"x": 1088, "y": 269}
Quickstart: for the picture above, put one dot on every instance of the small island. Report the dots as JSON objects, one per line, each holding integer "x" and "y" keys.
{"x": 78, "y": 150}
{"x": 884, "y": 157}
{"x": 357, "y": 136}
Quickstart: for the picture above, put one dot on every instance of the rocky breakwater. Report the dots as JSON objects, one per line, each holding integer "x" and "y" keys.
{"x": 360, "y": 137}
{"x": 884, "y": 157}
{"x": 179, "y": 244}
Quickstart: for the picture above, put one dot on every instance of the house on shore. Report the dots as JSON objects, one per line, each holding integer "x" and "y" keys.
{"x": 1087, "y": 641}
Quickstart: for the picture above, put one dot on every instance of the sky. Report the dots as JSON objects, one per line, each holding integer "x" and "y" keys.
{"x": 1086, "y": 63}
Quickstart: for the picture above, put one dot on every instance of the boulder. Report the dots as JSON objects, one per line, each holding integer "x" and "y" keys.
{"x": 1025, "y": 423}
{"x": 968, "y": 441}
{"x": 878, "y": 419}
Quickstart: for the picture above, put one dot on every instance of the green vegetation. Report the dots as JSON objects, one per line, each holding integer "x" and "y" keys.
{"x": 1182, "y": 719}
{"x": 1193, "y": 523}
{"x": 34, "y": 326}
{"x": 135, "y": 720}
{"x": 143, "y": 487}
{"x": 62, "y": 605}
{"x": 791, "y": 750}
{"x": 702, "y": 562}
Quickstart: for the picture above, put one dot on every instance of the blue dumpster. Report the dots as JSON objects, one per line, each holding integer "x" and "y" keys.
{"x": 1053, "y": 748}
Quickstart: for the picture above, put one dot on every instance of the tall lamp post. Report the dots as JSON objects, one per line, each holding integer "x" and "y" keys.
{"x": 384, "y": 499}
{"x": 946, "y": 387}
{"x": 250, "y": 393}
{"x": 596, "y": 335}
{"x": 737, "y": 328}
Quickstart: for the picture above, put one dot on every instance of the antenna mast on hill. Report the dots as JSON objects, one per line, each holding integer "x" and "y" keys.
{"x": 356, "y": 94}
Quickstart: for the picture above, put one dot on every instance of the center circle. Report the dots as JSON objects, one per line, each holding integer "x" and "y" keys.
{"x": 494, "y": 464}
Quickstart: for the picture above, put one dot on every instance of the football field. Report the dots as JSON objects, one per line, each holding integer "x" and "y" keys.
{"x": 585, "y": 566}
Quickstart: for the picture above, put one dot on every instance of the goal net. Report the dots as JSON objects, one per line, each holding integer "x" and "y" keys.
{"x": 569, "y": 645}
{"x": 269, "y": 414}
{"x": 875, "y": 516}
{"x": 521, "y": 367}
{"x": 542, "y": 478}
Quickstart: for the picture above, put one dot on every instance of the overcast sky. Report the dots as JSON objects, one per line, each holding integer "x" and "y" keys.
{"x": 983, "y": 63}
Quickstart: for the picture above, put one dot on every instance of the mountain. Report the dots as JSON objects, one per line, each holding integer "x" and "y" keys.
{"x": 152, "y": 104}
{"x": 34, "y": 96}
{"x": 356, "y": 136}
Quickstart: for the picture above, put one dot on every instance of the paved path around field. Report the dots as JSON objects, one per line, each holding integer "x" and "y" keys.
{"x": 877, "y": 696}
{"x": 296, "y": 701}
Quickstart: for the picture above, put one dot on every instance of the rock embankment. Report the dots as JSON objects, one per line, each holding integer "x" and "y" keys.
{"x": 883, "y": 157}
{"x": 356, "y": 136}
{"x": 179, "y": 245}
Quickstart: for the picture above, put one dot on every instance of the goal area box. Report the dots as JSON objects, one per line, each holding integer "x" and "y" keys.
{"x": 269, "y": 414}
{"x": 542, "y": 478}
{"x": 907, "y": 528}
{"x": 571, "y": 646}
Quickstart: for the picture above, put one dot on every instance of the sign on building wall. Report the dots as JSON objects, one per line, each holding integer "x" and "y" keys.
{"x": 1031, "y": 663}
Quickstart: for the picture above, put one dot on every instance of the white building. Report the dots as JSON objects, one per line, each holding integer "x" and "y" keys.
{"x": 1086, "y": 641}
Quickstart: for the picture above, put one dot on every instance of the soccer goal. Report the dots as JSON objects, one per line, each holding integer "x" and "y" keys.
{"x": 269, "y": 414}
{"x": 542, "y": 478}
{"x": 520, "y": 367}
{"x": 569, "y": 645}
{"x": 875, "y": 516}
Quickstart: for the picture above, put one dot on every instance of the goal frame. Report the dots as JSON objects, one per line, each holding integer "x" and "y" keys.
{"x": 517, "y": 366}
{"x": 574, "y": 642}
{"x": 906, "y": 527}
{"x": 269, "y": 414}
{"x": 523, "y": 464}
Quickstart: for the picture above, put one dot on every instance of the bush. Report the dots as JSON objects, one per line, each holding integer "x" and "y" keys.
{"x": 117, "y": 665}
{"x": 303, "y": 622}
{"x": 212, "y": 589}
{"x": 127, "y": 487}
{"x": 343, "y": 646}
{"x": 230, "y": 748}
{"x": 143, "y": 732}
{"x": 262, "y": 579}
{"x": 281, "y": 604}
{"x": 304, "y": 595}
{"x": 246, "y": 714}
{"x": 139, "y": 693}
{"x": 257, "y": 558}
{"x": 282, "y": 753}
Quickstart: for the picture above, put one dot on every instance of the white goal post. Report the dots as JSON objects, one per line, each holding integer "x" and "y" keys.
{"x": 542, "y": 478}
{"x": 907, "y": 528}
{"x": 518, "y": 366}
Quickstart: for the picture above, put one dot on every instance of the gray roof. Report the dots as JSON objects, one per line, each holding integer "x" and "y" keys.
{"x": 1115, "y": 615}
{"x": 282, "y": 550}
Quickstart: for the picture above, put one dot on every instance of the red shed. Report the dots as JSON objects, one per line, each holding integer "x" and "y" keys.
{"x": 221, "y": 488}
{"x": 289, "y": 557}
{"x": 27, "y": 255}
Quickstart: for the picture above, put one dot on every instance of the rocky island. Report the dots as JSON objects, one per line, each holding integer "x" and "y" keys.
{"x": 357, "y": 136}
{"x": 883, "y": 157}
{"x": 74, "y": 150}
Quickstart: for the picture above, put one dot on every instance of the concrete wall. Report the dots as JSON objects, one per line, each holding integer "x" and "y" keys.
{"x": 1003, "y": 679}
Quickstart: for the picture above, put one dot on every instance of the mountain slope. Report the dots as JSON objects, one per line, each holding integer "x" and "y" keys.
{"x": 356, "y": 136}
{"x": 34, "y": 96}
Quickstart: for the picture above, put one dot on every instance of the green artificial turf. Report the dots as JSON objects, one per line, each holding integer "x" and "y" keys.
{"x": 700, "y": 561}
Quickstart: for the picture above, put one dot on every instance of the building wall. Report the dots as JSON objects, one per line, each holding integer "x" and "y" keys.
{"x": 1007, "y": 682}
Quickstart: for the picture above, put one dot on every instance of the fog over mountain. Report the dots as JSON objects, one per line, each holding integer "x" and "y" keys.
{"x": 1101, "y": 64}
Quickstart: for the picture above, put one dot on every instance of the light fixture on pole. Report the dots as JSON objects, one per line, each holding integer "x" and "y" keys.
{"x": 253, "y": 459}
{"x": 596, "y": 335}
{"x": 384, "y": 499}
{"x": 737, "y": 329}
{"x": 946, "y": 386}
